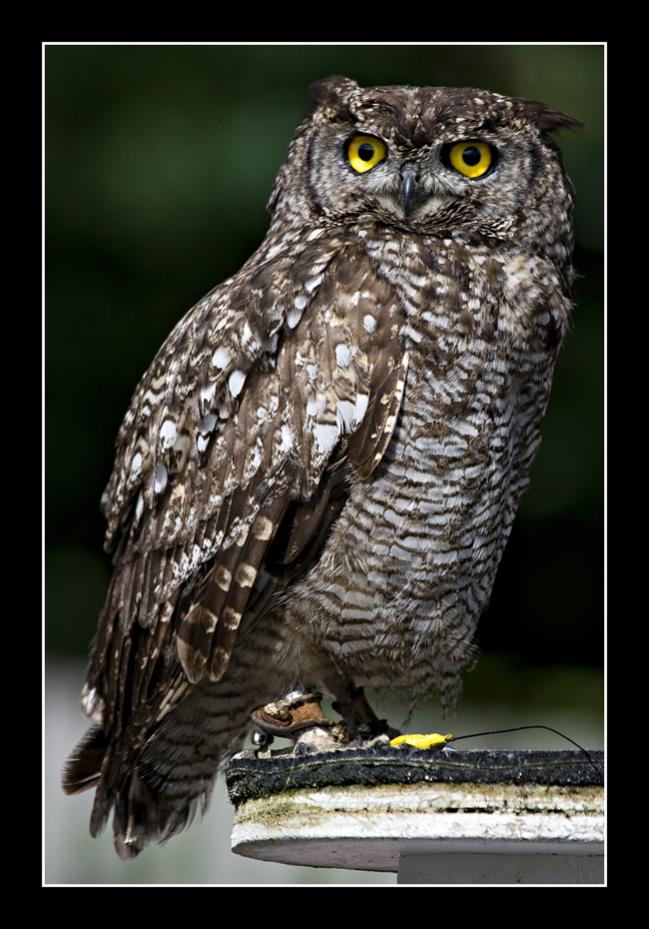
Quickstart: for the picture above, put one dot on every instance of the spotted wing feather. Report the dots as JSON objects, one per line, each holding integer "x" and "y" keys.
{"x": 255, "y": 400}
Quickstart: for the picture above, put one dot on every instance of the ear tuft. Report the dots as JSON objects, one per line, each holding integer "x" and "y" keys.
{"x": 332, "y": 92}
{"x": 546, "y": 118}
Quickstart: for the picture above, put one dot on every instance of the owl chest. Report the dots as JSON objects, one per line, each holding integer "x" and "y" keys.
{"x": 452, "y": 448}
{"x": 434, "y": 519}
{"x": 414, "y": 553}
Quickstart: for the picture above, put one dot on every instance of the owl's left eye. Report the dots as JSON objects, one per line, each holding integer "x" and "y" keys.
{"x": 472, "y": 159}
{"x": 364, "y": 152}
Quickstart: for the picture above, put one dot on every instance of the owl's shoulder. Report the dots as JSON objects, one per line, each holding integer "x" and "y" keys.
{"x": 227, "y": 346}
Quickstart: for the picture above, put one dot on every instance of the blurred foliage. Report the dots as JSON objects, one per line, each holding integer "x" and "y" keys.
{"x": 159, "y": 162}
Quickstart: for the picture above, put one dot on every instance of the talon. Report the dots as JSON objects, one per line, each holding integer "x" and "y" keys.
{"x": 360, "y": 719}
{"x": 384, "y": 728}
{"x": 415, "y": 739}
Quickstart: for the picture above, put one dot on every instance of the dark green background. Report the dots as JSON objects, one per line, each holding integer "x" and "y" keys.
{"x": 159, "y": 162}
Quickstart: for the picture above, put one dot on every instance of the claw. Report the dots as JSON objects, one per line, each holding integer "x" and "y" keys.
{"x": 433, "y": 740}
{"x": 360, "y": 719}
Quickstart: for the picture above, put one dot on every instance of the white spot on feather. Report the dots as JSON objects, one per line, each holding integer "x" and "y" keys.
{"x": 343, "y": 355}
{"x": 207, "y": 424}
{"x": 236, "y": 382}
{"x": 346, "y": 411}
{"x": 293, "y": 317}
{"x": 160, "y": 480}
{"x": 286, "y": 442}
{"x": 93, "y": 705}
{"x": 326, "y": 437}
{"x": 369, "y": 323}
{"x": 136, "y": 464}
{"x": 168, "y": 433}
{"x": 207, "y": 393}
{"x": 361, "y": 406}
{"x": 314, "y": 282}
{"x": 315, "y": 405}
{"x": 221, "y": 358}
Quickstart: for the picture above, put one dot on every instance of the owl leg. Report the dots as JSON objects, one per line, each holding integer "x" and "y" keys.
{"x": 298, "y": 716}
{"x": 352, "y": 704}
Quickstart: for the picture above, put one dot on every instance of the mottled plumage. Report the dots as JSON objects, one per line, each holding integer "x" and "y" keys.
{"x": 317, "y": 476}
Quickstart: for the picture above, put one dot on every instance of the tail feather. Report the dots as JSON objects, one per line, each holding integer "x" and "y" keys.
{"x": 139, "y": 812}
{"x": 144, "y": 814}
{"x": 83, "y": 768}
{"x": 155, "y": 786}
{"x": 158, "y": 773}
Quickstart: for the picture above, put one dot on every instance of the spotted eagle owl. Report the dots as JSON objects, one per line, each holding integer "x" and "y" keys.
{"x": 318, "y": 474}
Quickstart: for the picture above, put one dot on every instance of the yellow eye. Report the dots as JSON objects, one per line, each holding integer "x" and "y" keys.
{"x": 473, "y": 159}
{"x": 365, "y": 152}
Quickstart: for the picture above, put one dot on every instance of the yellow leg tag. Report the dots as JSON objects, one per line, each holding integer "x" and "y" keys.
{"x": 417, "y": 740}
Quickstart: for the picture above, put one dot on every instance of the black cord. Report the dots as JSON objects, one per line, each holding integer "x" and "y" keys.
{"x": 473, "y": 735}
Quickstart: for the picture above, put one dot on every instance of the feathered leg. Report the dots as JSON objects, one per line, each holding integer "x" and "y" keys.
{"x": 352, "y": 704}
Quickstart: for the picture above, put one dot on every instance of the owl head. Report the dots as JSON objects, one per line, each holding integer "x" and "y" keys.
{"x": 457, "y": 162}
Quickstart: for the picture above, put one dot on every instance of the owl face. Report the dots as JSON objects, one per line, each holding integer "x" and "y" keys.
{"x": 447, "y": 161}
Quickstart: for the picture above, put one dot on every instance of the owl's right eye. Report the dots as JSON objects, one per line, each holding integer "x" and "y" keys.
{"x": 472, "y": 159}
{"x": 364, "y": 152}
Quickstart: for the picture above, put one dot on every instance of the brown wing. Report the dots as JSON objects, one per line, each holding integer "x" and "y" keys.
{"x": 238, "y": 430}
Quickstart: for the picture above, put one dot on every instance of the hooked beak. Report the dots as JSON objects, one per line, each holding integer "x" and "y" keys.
{"x": 408, "y": 183}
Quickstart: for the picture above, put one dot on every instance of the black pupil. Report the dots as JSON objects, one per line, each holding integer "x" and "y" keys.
{"x": 471, "y": 156}
{"x": 366, "y": 151}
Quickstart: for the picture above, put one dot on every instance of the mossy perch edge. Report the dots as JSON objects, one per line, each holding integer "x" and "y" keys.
{"x": 386, "y": 809}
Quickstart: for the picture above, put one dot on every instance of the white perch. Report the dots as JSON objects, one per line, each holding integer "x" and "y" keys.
{"x": 433, "y": 833}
